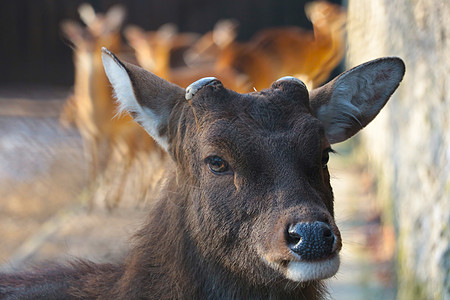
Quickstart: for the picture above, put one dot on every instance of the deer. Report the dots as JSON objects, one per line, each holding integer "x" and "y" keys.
{"x": 219, "y": 49}
{"x": 111, "y": 143}
{"x": 91, "y": 106}
{"x": 309, "y": 55}
{"x": 246, "y": 210}
{"x": 280, "y": 51}
{"x": 208, "y": 47}
{"x": 157, "y": 50}
{"x": 154, "y": 52}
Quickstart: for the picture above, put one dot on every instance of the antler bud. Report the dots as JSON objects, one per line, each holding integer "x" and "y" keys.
{"x": 193, "y": 88}
{"x": 291, "y": 78}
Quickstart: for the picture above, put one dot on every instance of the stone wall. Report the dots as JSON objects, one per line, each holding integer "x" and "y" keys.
{"x": 409, "y": 143}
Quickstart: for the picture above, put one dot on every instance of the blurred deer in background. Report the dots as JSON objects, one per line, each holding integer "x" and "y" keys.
{"x": 155, "y": 52}
{"x": 114, "y": 143}
{"x": 111, "y": 143}
{"x": 320, "y": 50}
{"x": 270, "y": 54}
{"x": 277, "y": 52}
{"x": 208, "y": 47}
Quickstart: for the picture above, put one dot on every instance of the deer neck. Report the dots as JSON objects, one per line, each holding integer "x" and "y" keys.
{"x": 167, "y": 263}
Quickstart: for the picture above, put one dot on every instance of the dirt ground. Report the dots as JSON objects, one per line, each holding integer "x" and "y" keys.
{"x": 44, "y": 216}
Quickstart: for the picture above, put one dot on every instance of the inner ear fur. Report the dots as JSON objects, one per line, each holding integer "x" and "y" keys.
{"x": 147, "y": 97}
{"x": 349, "y": 102}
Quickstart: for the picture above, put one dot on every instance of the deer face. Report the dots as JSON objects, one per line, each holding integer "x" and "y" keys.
{"x": 259, "y": 165}
{"x": 252, "y": 168}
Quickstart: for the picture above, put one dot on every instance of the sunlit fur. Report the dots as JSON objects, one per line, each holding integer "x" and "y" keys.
{"x": 223, "y": 236}
{"x": 123, "y": 90}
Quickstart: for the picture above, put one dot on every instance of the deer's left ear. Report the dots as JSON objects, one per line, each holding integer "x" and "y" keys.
{"x": 349, "y": 102}
{"x": 147, "y": 97}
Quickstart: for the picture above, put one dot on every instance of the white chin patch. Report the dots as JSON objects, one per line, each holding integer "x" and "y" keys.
{"x": 306, "y": 271}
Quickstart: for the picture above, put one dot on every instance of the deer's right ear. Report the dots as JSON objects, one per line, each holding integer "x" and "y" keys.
{"x": 147, "y": 97}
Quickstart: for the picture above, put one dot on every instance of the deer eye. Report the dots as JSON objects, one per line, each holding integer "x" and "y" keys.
{"x": 217, "y": 165}
{"x": 326, "y": 156}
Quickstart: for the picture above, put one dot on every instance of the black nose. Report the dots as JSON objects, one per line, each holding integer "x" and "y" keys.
{"x": 311, "y": 241}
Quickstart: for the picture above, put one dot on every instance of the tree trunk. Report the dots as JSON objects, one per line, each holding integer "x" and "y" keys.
{"x": 409, "y": 145}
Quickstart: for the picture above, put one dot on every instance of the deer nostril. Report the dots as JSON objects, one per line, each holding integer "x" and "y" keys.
{"x": 311, "y": 241}
{"x": 293, "y": 236}
{"x": 327, "y": 232}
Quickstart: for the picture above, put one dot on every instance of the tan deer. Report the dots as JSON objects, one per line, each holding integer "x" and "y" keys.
{"x": 111, "y": 142}
{"x": 153, "y": 52}
{"x": 209, "y": 46}
{"x": 277, "y": 52}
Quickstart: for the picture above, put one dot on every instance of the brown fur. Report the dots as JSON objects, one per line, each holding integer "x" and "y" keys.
{"x": 172, "y": 259}
{"x": 223, "y": 235}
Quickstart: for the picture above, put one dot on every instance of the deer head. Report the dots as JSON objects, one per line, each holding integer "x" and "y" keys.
{"x": 251, "y": 169}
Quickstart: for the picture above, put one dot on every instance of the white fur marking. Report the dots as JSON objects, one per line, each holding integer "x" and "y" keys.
{"x": 150, "y": 121}
{"x": 306, "y": 271}
{"x": 124, "y": 94}
{"x": 193, "y": 88}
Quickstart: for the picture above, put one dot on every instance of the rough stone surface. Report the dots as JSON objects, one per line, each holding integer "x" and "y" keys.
{"x": 409, "y": 144}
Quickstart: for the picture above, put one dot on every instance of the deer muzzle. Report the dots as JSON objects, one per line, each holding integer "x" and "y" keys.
{"x": 311, "y": 241}
{"x": 305, "y": 249}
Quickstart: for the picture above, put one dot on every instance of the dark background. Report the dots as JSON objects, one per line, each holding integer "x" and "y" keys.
{"x": 33, "y": 49}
